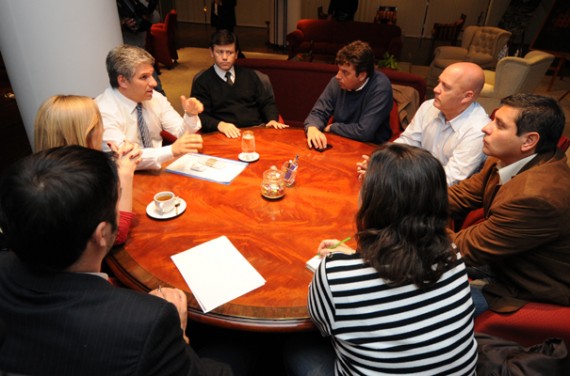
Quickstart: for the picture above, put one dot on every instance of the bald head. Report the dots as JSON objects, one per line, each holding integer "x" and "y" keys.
{"x": 470, "y": 77}
{"x": 459, "y": 86}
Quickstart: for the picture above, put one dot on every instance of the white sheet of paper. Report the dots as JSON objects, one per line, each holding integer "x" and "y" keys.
{"x": 217, "y": 272}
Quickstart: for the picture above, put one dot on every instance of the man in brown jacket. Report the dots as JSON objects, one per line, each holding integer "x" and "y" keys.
{"x": 524, "y": 188}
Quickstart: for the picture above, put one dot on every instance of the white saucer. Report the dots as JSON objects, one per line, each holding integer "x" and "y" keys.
{"x": 248, "y": 157}
{"x": 153, "y": 213}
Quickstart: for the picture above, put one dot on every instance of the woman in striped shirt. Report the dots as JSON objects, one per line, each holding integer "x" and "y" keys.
{"x": 401, "y": 304}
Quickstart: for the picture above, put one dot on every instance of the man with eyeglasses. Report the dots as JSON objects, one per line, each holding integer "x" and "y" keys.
{"x": 233, "y": 97}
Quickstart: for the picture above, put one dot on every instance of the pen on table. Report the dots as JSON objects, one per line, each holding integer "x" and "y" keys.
{"x": 340, "y": 243}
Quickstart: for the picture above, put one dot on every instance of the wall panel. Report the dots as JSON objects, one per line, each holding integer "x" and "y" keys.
{"x": 411, "y": 13}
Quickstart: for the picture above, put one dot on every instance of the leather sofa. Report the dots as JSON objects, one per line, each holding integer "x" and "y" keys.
{"x": 323, "y": 38}
{"x": 297, "y": 86}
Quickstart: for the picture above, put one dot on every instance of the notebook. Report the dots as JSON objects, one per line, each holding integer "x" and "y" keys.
{"x": 314, "y": 263}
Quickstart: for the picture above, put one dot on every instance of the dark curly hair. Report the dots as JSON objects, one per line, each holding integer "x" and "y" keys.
{"x": 359, "y": 54}
{"x": 403, "y": 216}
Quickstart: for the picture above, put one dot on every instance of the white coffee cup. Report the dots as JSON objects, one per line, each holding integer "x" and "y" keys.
{"x": 164, "y": 201}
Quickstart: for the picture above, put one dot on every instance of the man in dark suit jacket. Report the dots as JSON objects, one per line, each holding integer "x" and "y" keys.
{"x": 524, "y": 241}
{"x": 58, "y": 213}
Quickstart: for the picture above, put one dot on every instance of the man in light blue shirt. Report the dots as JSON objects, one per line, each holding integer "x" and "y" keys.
{"x": 449, "y": 126}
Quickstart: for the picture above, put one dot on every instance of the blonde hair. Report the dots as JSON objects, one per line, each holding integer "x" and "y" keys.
{"x": 66, "y": 120}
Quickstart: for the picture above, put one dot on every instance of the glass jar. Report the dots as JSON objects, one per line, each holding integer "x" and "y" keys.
{"x": 273, "y": 184}
{"x": 289, "y": 170}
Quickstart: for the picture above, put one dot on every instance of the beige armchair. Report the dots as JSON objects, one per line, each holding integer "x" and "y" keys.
{"x": 480, "y": 45}
{"x": 514, "y": 75}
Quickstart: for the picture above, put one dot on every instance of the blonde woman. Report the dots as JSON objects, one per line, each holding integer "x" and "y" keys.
{"x": 75, "y": 120}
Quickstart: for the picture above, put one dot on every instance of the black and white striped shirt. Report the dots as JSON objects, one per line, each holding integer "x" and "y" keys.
{"x": 381, "y": 330}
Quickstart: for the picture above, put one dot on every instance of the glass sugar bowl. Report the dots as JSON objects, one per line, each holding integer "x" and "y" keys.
{"x": 273, "y": 184}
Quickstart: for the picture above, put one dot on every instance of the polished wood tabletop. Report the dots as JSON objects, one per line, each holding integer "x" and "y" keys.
{"x": 276, "y": 237}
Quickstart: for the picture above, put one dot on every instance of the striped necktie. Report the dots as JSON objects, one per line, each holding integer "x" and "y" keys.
{"x": 143, "y": 129}
{"x": 229, "y": 78}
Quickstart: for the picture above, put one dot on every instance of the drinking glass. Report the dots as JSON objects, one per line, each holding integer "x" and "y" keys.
{"x": 247, "y": 142}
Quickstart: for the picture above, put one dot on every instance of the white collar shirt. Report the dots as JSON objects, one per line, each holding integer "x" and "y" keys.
{"x": 222, "y": 73}
{"x": 120, "y": 123}
{"x": 364, "y": 84}
{"x": 457, "y": 144}
{"x": 507, "y": 172}
{"x": 105, "y": 276}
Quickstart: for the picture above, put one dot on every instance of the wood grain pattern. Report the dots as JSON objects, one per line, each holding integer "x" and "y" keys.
{"x": 276, "y": 237}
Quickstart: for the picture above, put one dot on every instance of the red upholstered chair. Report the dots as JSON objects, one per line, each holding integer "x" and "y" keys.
{"x": 530, "y": 325}
{"x": 161, "y": 40}
{"x": 167, "y": 138}
{"x": 563, "y": 143}
{"x": 395, "y": 125}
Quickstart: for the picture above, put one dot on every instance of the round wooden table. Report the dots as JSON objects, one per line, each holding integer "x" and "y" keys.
{"x": 276, "y": 237}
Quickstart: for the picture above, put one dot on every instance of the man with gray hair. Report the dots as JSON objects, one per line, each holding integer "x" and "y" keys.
{"x": 132, "y": 110}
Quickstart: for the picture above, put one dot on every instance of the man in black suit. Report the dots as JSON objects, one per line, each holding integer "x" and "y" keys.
{"x": 58, "y": 214}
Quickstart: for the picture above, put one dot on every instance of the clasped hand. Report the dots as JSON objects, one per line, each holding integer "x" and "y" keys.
{"x": 127, "y": 156}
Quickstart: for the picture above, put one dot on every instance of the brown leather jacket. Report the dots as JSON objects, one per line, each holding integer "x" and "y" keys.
{"x": 525, "y": 238}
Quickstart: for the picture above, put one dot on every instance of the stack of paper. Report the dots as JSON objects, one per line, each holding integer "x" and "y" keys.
{"x": 206, "y": 167}
{"x": 217, "y": 272}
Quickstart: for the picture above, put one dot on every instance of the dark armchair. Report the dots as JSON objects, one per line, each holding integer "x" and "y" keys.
{"x": 446, "y": 32}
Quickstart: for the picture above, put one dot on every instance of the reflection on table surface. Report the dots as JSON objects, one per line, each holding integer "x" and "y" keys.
{"x": 276, "y": 237}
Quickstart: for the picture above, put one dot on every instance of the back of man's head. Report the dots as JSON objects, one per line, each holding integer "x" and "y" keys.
{"x": 223, "y": 38}
{"x": 538, "y": 114}
{"x": 51, "y": 203}
{"x": 123, "y": 61}
{"x": 359, "y": 54}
